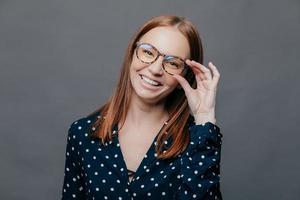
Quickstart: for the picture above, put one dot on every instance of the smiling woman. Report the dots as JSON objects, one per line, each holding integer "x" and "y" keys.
{"x": 156, "y": 137}
{"x": 149, "y": 65}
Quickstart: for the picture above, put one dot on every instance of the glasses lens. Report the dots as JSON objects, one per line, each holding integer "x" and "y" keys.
{"x": 173, "y": 65}
{"x": 146, "y": 53}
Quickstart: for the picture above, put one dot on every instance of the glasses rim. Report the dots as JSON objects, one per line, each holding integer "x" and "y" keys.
{"x": 138, "y": 44}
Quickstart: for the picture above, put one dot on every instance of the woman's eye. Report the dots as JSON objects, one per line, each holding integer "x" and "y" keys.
{"x": 174, "y": 64}
{"x": 148, "y": 52}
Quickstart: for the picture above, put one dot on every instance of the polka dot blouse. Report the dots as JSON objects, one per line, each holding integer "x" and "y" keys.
{"x": 94, "y": 171}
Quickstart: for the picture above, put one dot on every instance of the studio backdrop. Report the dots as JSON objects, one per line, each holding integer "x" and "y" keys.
{"x": 60, "y": 59}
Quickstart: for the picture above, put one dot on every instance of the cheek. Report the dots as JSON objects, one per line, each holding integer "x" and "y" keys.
{"x": 171, "y": 82}
{"x": 136, "y": 65}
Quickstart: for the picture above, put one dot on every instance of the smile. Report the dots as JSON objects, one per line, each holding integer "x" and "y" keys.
{"x": 150, "y": 81}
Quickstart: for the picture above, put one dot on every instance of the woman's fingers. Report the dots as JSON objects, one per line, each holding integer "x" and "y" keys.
{"x": 202, "y": 68}
{"x": 200, "y": 76}
{"x": 216, "y": 74}
{"x": 184, "y": 83}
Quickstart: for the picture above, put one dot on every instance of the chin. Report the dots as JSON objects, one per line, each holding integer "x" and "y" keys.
{"x": 151, "y": 97}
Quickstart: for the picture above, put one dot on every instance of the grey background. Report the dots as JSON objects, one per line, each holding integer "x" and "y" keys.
{"x": 60, "y": 60}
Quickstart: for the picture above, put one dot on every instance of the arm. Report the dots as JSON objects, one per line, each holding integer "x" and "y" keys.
{"x": 200, "y": 165}
{"x": 73, "y": 186}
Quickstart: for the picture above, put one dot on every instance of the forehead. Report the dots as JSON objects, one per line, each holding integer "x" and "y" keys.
{"x": 168, "y": 40}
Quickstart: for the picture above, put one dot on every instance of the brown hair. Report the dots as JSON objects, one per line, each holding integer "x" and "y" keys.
{"x": 115, "y": 109}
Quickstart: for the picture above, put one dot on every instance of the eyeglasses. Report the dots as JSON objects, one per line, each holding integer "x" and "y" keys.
{"x": 148, "y": 54}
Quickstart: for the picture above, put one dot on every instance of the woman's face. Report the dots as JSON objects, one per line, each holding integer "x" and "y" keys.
{"x": 169, "y": 41}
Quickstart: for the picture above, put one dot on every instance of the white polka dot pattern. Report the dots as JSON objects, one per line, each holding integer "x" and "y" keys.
{"x": 200, "y": 165}
{"x": 96, "y": 171}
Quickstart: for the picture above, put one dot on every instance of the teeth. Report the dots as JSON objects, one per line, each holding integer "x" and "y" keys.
{"x": 150, "y": 81}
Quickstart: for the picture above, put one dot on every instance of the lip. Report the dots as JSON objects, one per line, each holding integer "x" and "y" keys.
{"x": 148, "y": 86}
{"x": 160, "y": 84}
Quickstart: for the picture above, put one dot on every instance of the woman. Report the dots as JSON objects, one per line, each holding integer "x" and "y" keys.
{"x": 156, "y": 137}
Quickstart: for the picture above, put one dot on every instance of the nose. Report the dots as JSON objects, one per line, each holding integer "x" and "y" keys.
{"x": 156, "y": 67}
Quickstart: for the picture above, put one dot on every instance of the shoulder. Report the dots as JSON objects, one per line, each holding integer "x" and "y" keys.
{"x": 82, "y": 126}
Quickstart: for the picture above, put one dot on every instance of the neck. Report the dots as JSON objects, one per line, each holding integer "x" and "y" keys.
{"x": 140, "y": 112}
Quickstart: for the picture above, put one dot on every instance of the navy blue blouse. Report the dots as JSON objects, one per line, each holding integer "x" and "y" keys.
{"x": 94, "y": 171}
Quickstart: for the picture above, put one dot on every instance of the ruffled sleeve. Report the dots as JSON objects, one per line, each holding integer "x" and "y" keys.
{"x": 200, "y": 164}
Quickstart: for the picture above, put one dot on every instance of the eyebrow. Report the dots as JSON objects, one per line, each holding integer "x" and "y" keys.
{"x": 139, "y": 42}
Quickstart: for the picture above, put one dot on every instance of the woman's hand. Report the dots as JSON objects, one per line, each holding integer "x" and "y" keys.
{"x": 201, "y": 100}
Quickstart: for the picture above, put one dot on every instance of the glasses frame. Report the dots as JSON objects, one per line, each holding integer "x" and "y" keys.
{"x": 138, "y": 44}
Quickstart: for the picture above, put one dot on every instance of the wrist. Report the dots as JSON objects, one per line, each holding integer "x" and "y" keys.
{"x": 205, "y": 117}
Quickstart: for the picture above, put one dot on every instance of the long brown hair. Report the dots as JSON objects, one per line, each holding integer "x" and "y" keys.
{"x": 115, "y": 109}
